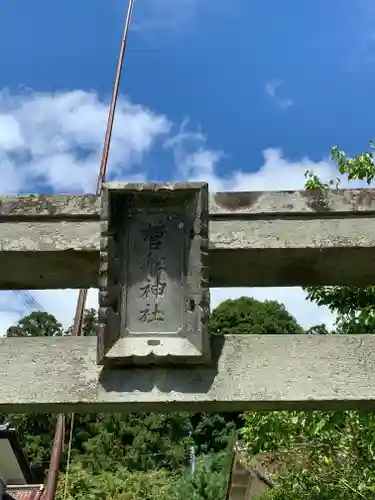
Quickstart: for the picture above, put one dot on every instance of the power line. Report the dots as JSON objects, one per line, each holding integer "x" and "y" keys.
{"x": 28, "y": 300}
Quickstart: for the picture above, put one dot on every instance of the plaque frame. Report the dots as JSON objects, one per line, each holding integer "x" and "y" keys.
{"x": 124, "y": 206}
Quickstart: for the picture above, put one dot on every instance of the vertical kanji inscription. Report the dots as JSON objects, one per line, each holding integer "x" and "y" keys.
{"x": 155, "y": 270}
{"x": 154, "y": 296}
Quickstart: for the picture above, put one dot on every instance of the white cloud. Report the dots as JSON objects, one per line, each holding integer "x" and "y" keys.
{"x": 56, "y": 140}
{"x": 41, "y": 135}
{"x": 272, "y": 90}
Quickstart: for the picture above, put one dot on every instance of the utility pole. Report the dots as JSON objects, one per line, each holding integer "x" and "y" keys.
{"x": 54, "y": 468}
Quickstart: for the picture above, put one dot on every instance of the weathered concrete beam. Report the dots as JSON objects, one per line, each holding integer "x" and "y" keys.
{"x": 248, "y": 373}
{"x": 256, "y": 239}
{"x": 221, "y": 204}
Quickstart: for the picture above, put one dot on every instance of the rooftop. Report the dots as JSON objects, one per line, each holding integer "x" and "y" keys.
{"x": 25, "y": 492}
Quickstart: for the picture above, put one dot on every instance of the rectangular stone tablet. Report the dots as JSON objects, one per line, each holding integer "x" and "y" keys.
{"x": 154, "y": 295}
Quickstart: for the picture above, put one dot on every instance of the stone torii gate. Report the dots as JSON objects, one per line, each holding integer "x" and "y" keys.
{"x": 153, "y": 250}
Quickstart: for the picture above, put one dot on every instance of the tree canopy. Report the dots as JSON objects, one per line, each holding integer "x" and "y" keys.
{"x": 251, "y": 316}
{"x": 147, "y": 455}
{"x": 36, "y": 324}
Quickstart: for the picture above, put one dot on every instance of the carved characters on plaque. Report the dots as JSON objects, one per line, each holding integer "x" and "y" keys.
{"x": 155, "y": 299}
{"x": 154, "y": 272}
{"x": 153, "y": 265}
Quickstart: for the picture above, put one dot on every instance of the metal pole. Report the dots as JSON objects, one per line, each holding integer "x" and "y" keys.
{"x": 82, "y": 295}
{"x": 78, "y": 319}
{"x": 54, "y": 468}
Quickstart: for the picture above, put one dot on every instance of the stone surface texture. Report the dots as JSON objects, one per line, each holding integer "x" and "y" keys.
{"x": 269, "y": 372}
{"x": 153, "y": 286}
{"x": 255, "y": 239}
{"x": 279, "y": 238}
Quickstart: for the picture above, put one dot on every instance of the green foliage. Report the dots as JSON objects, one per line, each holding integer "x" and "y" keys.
{"x": 361, "y": 167}
{"x": 314, "y": 183}
{"x": 325, "y": 455}
{"x": 214, "y": 432}
{"x": 250, "y": 316}
{"x": 322, "y": 455}
{"x": 285, "y": 431}
{"x": 118, "y": 484}
{"x": 36, "y": 324}
{"x": 143, "y": 456}
{"x": 343, "y": 483}
{"x": 320, "y": 329}
{"x": 209, "y": 482}
{"x": 90, "y": 319}
{"x": 354, "y": 306}
{"x": 136, "y": 443}
{"x": 36, "y": 431}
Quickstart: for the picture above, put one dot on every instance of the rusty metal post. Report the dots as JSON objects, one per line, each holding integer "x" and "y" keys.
{"x": 54, "y": 467}
{"x": 58, "y": 441}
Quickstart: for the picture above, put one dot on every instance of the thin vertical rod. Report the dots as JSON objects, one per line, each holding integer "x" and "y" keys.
{"x": 81, "y": 301}
{"x": 82, "y": 296}
{"x": 53, "y": 473}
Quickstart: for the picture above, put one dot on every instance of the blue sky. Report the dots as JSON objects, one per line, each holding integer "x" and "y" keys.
{"x": 244, "y": 94}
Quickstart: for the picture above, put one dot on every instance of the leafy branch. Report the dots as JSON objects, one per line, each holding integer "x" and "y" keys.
{"x": 361, "y": 167}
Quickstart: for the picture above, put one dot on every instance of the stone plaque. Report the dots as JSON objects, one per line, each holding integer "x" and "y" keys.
{"x": 153, "y": 295}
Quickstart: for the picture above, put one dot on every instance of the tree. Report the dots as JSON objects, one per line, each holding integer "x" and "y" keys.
{"x": 147, "y": 448}
{"x": 327, "y": 455}
{"x": 104, "y": 441}
{"x": 137, "y": 442}
{"x": 35, "y": 430}
{"x": 320, "y": 329}
{"x": 207, "y": 483}
{"x": 36, "y": 324}
{"x": 354, "y": 306}
{"x": 214, "y": 432}
{"x": 90, "y": 318}
{"x": 251, "y": 316}
{"x": 245, "y": 315}
{"x": 118, "y": 484}
{"x": 209, "y": 480}
{"x": 323, "y": 455}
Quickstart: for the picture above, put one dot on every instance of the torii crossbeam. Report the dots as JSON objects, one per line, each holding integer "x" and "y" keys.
{"x": 156, "y": 249}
